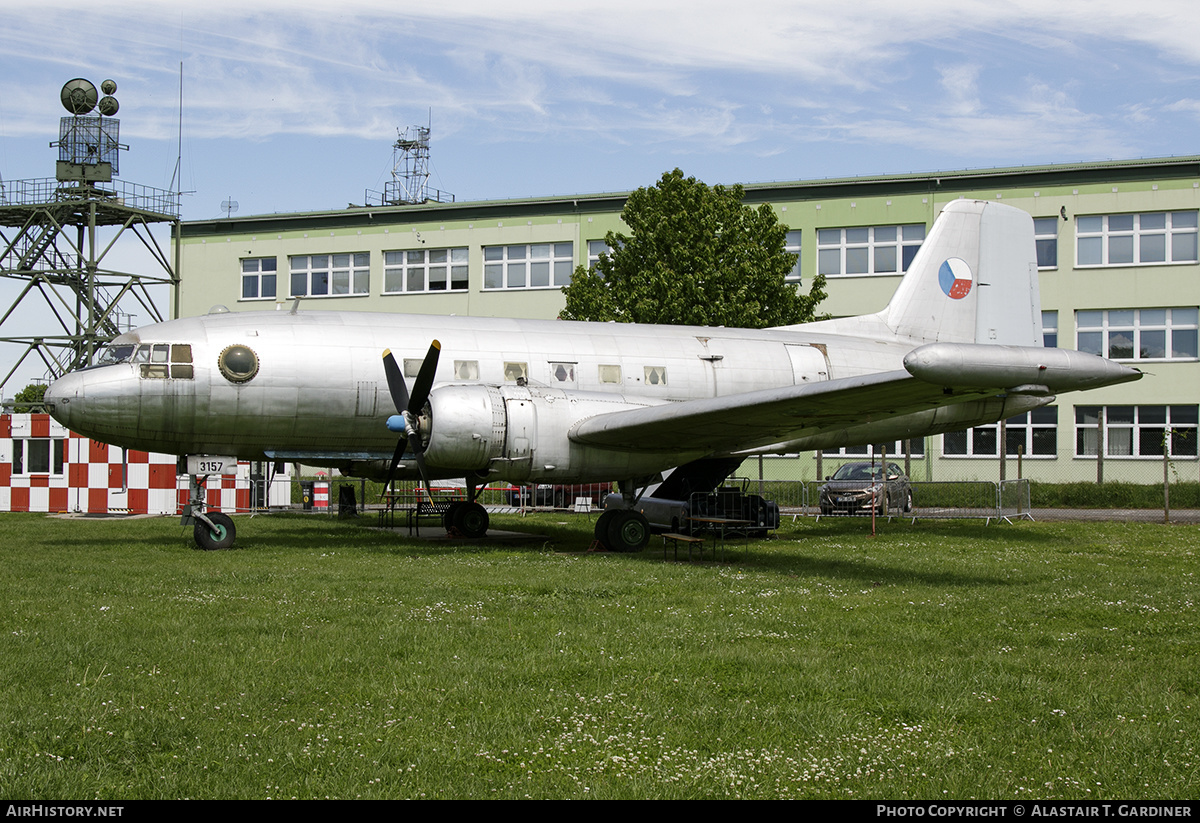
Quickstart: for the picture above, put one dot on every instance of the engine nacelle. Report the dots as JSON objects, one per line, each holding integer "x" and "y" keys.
{"x": 519, "y": 433}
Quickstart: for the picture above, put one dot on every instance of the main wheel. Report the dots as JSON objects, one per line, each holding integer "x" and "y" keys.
{"x": 629, "y": 531}
{"x": 449, "y": 515}
{"x": 600, "y": 532}
{"x": 908, "y": 501}
{"x": 471, "y": 520}
{"x": 220, "y": 536}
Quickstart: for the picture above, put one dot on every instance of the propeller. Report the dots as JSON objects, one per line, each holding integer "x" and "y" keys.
{"x": 408, "y": 407}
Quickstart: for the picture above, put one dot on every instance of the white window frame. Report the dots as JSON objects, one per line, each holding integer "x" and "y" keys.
{"x": 1104, "y": 332}
{"x": 1019, "y": 430}
{"x": 1050, "y": 329}
{"x": 506, "y": 268}
{"x": 56, "y": 463}
{"x": 1125, "y": 428}
{"x": 402, "y": 266}
{"x": 866, "y": 251}
{"x": 254, "y": 271}
{"x": 1045, "y": 236}
{"x": 1132, "y": 239}
{"x": 792, "y": 245}
{"x": 895, "y": 450}
{"x": 323, "y": 273}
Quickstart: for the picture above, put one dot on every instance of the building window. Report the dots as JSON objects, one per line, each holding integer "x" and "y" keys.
{"x": 1050, "y": 329}
{"x": 868, "y": 250}
{"x": 1138, "y": 334}
{"x": 792, "y": 246}
{"x": 1045, "y": 235}
{"x": 1136, "y": 431}
{"x": 595, "y": 249}
{"x": 1136, "y": 239}
{"x": 330, "y": 275}
{"x": 1034, "y": 434}
{"x": 38, "y": 455}
{"x": 258, "y": 278}
{"x": 535, "y": 266}
{"x": 420, "y": 270}
{"x": 893, "y": 450}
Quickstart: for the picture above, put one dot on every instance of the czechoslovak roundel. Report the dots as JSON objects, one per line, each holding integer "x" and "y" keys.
{"x": 954, "y": 277}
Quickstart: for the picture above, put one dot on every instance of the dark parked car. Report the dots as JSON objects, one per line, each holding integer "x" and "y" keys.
{"x": 856, "y": 488}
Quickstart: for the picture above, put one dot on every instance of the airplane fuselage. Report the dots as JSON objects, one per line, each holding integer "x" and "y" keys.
{"x": 318, "y": 390}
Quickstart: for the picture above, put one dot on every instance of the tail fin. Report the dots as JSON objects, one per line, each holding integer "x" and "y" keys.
{"x": 973, "y": 281}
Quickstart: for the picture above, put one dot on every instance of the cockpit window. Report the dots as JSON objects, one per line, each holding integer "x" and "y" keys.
{"x": 116, "y": 353}
{"x": 239, "y": 364}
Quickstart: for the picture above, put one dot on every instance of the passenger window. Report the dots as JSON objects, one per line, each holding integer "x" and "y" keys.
{"x": 563, "y": 372}
{"x": 610, "y": 374}
{"x": 516, "y": 372}
{"x": 466, "y": 369}
{"x": 656, "y": 375}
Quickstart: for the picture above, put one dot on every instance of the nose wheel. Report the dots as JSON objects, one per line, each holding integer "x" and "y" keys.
{"x": 217, "y": 534}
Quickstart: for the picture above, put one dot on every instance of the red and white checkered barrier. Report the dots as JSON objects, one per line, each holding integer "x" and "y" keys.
{"x": 88, "y": 476}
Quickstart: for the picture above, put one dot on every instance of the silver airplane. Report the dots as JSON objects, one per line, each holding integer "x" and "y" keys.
{"x": 529, "y": 401}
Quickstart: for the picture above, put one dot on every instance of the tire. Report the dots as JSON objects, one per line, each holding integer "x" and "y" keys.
{"x": 471, "y": 520}
{"x": 448, "y": 516}
{"x": 908, "y": 501}
{"x": 629, "y": 531}
{"x": 213, "y": 539}
{"x": 600, "y": 532}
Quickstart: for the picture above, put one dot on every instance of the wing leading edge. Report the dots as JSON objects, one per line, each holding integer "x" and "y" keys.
{"x": 936, "y": 375}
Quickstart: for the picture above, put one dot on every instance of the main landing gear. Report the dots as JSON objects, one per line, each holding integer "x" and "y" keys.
{"x": 622, "y": 530}
{"x": 469, "y": 519}
{"x": 210, "y": 530}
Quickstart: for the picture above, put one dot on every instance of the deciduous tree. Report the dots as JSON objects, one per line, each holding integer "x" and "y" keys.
{"x": 694, "y": 255}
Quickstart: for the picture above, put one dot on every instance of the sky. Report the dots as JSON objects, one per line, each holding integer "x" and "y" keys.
{"x": 294, "y": 106}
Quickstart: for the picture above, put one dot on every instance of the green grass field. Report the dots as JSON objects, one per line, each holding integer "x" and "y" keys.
{"x": 324, "y": 659}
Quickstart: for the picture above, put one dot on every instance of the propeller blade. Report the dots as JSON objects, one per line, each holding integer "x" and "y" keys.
{"x": 395, "y": 381}
{"x": 408, "y": 407}
{"x": 420, "y": 394}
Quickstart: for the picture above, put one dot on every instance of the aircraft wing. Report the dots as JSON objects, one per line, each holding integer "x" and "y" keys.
{"x": 935, "y": 375}
{"x": 743, "y": 421}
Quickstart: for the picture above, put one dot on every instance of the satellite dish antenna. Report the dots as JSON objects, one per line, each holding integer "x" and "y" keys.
{"x": 108, "y": 106}
{"x": 79, "y": 96}
{"x": 229, "y": 206}
{"x": 109, "y": 87}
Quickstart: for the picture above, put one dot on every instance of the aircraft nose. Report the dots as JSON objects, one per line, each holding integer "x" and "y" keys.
{"x": 64, "y": 398}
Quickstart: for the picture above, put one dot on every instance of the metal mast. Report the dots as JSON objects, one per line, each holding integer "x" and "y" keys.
{"x": 57, "y": 235}
{"x": 410, "y": 173}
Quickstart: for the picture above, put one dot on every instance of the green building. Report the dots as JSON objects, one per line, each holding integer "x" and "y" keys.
{"x": 1117, "y": 253}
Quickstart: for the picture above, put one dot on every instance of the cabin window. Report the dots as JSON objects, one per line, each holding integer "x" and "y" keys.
{"x": 656, "y": 375}
{"x": 412, "y": 366}
{"x": 158, "y": 361}
{"x": 610, "y": 374}
{"x": 466, "y": 369}
{"x": 238, "y": 364}
{"x": 516, "y": 372}
{"x": 563, "y": 373}
{"x": 116, "y": 353}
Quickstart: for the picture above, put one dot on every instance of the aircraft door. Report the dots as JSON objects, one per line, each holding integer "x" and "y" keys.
{"x": 521, "y": 438}
{"x": 810, "y": 363}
